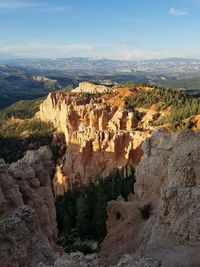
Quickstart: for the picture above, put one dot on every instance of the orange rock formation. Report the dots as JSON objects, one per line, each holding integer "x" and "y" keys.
{"x": 100, "y": 134}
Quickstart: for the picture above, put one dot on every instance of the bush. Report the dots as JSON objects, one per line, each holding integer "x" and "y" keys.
{"x": 81, "y": 247}
{"x": 89, "y": 96}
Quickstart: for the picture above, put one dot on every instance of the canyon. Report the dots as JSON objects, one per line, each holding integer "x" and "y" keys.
{"x": 158, "y": 226}
{"x": 100, "y": 133}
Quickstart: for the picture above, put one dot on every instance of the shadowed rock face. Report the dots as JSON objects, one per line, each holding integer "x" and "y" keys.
{"x": 157, "y": 227}
{"x": 100, "y": 136}
{"x": 161, "y": 221}
{"x": 27, "y": 213}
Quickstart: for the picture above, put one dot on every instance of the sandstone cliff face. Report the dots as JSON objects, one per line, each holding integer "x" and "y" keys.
{"x": 27, "y": 213}
{"x": 87, "y": 87}
{"x": 161, "y": 221}
{"x": 100, "y": 136}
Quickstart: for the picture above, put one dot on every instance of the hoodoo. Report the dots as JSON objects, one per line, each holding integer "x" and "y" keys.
{"x": 100, "y": 133}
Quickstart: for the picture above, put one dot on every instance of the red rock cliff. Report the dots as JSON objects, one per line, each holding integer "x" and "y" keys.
{"x": 100, "y": 135}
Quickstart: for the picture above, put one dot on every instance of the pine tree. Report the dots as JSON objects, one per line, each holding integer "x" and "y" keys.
{"x": 66, "y": 226}
{"x": 81, "y": 217}
{"x": 100, "y": 214}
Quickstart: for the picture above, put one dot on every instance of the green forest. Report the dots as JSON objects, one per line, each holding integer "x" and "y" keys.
{"x": 81, "y": 212}
{"x": 17, "y": 136}
{"x": 191, "y": 85}
{"x": 183, "y": 106}
{"x": 23, "y": 109}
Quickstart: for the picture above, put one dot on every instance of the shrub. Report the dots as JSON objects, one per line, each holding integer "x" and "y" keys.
{"x": 146, "y": 211}
{"x": 81, "y": 247}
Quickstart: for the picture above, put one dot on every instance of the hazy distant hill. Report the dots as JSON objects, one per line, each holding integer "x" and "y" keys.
{"x": 192, "y": 85}
{"x": 82, "y": 65}
{"x": 16, "y": 83}
{"x": 26, "y": 79}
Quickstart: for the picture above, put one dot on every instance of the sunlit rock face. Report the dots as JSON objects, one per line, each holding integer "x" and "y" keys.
{"x": 161, "y": 220}
{"x": 100, "y": 135}
{"x": 27, "y": 214}
{"x": 87, "y": 87}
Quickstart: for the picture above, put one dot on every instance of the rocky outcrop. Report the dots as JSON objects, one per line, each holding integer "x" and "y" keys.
{"x": 27, "y": 214}
{"x": 91, "y": 88}
{"x": 47, "y": 81}
{"x": 161, "y": 221}
{"x": 100, "y": 136}
{"x": 76, "y": 259}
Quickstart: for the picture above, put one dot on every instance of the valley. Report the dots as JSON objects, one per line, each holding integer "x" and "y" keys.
{"x": 99, "y": 133}
{"x": 31, "y": 79}
{"x": 107, "y": 145}
{"x": 88, "y": 150}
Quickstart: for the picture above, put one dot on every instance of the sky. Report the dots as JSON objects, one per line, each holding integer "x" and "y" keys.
{"x": 116, "y": 29}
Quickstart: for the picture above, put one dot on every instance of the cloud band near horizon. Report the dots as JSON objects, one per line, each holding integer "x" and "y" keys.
{"x": 112, "y": 51}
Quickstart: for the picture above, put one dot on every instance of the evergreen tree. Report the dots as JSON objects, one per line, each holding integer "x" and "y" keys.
{"x": 66, "y": 226}
{"x": 99, "y": 217}
{"x": 81, "y": 217}
{"x": 84, "y": 208}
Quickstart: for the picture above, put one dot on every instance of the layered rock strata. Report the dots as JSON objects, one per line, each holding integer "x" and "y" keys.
{"x": 161, "y": 221}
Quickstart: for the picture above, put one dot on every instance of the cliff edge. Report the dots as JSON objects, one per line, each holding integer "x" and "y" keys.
{"x": 160, "y": 221}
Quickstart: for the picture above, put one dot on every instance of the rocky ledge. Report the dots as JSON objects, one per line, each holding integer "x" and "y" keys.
{"x": 160, "y": 222}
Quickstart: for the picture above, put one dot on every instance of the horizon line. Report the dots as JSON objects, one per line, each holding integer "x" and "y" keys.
{"x": 95, "y": 58}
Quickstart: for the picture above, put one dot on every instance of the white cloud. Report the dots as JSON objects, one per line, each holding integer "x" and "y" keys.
{"x": 114, "y": 51}
{"x": 27, "y": 4}
{"x": 177, "y": 12}
{"x": 14, "y": 4}
{"x": 43, "y": 50}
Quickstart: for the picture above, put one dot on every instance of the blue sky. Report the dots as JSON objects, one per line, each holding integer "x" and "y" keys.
{"x": 119, "y": 29}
